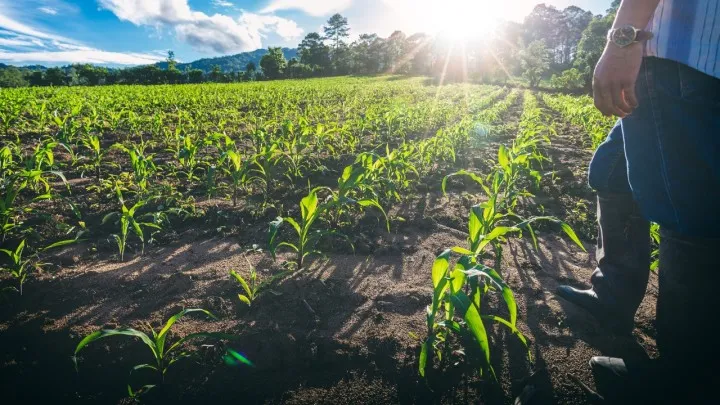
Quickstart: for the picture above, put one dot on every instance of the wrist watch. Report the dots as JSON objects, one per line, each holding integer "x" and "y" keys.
{"x": 627, "y": 35}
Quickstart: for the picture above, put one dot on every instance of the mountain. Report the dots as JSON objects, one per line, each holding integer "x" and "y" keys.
{"x": 230, "y": 63}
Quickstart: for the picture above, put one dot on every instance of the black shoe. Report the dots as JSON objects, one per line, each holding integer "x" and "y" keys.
{"x": 587, "y": 299}
{"x": 619, "y": 382}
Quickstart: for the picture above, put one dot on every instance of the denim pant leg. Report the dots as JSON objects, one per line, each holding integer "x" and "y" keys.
{"x": 623, "y": 244}
{"x": 672, "y": 146}
{"x": 608, "y": 171}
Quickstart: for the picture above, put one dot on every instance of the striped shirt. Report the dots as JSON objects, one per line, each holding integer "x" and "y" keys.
{"x": 687, "y": 31}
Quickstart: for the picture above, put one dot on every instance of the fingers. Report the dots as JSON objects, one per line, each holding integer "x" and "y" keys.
{"x": 629, "y": 93}
{"x": 614, "y": 99}
{"x": 619, "y": 103}
{"x": 603, "y": 99}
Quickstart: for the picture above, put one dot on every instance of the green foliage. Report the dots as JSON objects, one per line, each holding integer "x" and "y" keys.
{"x": 130, "y": 220}
{"x": 535, "y": 62}
{"x": 458, "y": 290}
{"x": 581, "y": 111}
{"x": 273, "y": 63}
{"x": 165, "y": 352}
{"x": 570, "y": 80}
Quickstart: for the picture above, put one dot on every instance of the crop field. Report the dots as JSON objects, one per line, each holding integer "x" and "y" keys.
{"x": 338, "y": 240}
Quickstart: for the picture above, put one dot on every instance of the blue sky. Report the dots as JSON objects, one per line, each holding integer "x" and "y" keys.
{"x": 131, "y": 32}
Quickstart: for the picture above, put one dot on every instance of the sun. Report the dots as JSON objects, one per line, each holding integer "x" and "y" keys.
{"x": 451, "y": 19}
{"x": 463, "y": 19}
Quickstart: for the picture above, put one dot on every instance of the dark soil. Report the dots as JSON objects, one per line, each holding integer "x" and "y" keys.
{"x": 339, "y": 331}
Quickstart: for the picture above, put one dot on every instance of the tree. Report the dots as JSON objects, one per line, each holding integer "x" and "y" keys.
{"x": 195, "y": 76}
{"x": 250, "y": 72}
{"x": 394, "y": 51}
{"x": 570, "y": 79}
{"x": 573, "y": 22}
{"x": 534, "y": 62}
{"x": 296, "y": 69}
{"x": 366, "y": 53}
{"x": 216, "y": 75}
{"x": 273, "y": 63}
{"x": 173, "y": 74}
{"x": 592, "y": 43}
{"x": 36, "y": 78}
{"x": 171, "y": 60}
{"x": 314, "y": 53}
{"x": 90, "y": 75}
{"x": 336, "y": 30}
{"x": 419, "y": 46}
{"x": 12, "y": 77}
{"x": 55, "y": 77}
{"x": 560, "y": 30}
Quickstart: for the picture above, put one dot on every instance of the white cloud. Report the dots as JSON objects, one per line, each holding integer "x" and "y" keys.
{"x": 218, "y": 33}
{"x": 27, "y": 44}
{"x": 19, "y": 42}
{"x": 20, "y": 28}
{"x": 262, "y": 23}
{"x": 313, "y": 7}
{"x": 87, "y": 56}
{"x": 223, "y": 3}
{"x": 48, "y": 10}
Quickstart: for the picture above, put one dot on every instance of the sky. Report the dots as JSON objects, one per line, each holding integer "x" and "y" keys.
{"x": 135, "y": 32}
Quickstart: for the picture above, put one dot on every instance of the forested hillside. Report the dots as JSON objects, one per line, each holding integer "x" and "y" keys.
{"x": 230, "y": 63}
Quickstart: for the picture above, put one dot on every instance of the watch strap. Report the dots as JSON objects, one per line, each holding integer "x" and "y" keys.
{"x": 641, "y": 36}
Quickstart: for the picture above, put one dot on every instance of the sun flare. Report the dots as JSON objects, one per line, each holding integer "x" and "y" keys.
{"x": 452, "y": 19}
{"x": 463, "y": 19}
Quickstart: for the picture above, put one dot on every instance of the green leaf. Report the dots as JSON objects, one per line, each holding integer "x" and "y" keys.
{"x": 439, "y": 269}
{"x": 245, "y": 299}
{"x": 59, "y": 244}
{"x": 473, "y": 176}
{"x": 308, "y": 206}
{"x": 242, "y": 282}
{"x": 571, "y": 234}
{"x": 170, "y": 322}
{"x": 503, "y": 157}
{"x": 115, "y": 332}
{"x": 273, "y": 231}
{"x": 474, "y": 323}
{"x": 424, "y": 356}
{"x": 294, "y": 224}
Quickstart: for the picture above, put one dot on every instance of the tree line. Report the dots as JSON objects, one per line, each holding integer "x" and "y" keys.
{"x": 557, "y": 48}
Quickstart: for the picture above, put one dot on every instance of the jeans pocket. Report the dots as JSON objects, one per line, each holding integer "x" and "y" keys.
{"x": 697, "y": 87}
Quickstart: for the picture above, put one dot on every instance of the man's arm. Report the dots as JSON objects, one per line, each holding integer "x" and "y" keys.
{"x": 618, "y": 68}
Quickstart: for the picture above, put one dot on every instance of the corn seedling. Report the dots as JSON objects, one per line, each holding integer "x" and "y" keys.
{"x": 165, "y": 353}
{"x": 307, "y": 236}
{"x": 129, "y": 221}
{"x": 21, "y": 263}
{"x": 92, "y": 144}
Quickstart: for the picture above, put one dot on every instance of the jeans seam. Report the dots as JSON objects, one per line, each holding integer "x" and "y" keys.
{"x": 653, "y": 108}
{"x": 613, "y": 166}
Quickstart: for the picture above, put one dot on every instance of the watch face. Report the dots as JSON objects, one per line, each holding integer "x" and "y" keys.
{"x": 624, "y": 36}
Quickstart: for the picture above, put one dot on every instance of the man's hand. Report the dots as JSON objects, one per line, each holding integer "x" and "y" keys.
{"x": 614, "y": 79}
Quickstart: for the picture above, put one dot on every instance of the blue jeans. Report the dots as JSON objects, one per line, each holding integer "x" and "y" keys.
{"x": 667, "y": 152}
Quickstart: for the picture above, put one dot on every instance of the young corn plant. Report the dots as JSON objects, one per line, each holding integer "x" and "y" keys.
{"x": 164, "y": 352}
{"x": 237, "y": 169}
{"x": 92, "y": 144}
{"x": 455, "y": 310}
{"x": 21, "y": 263}
{"x": 490, "y": 222}
{"x": 354, "y": 189}
{"x": 142, "y": 164}
{"x": 19, "y": 267}
{"x": 307, "y": 236}
{"x": 129, "y": 219}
